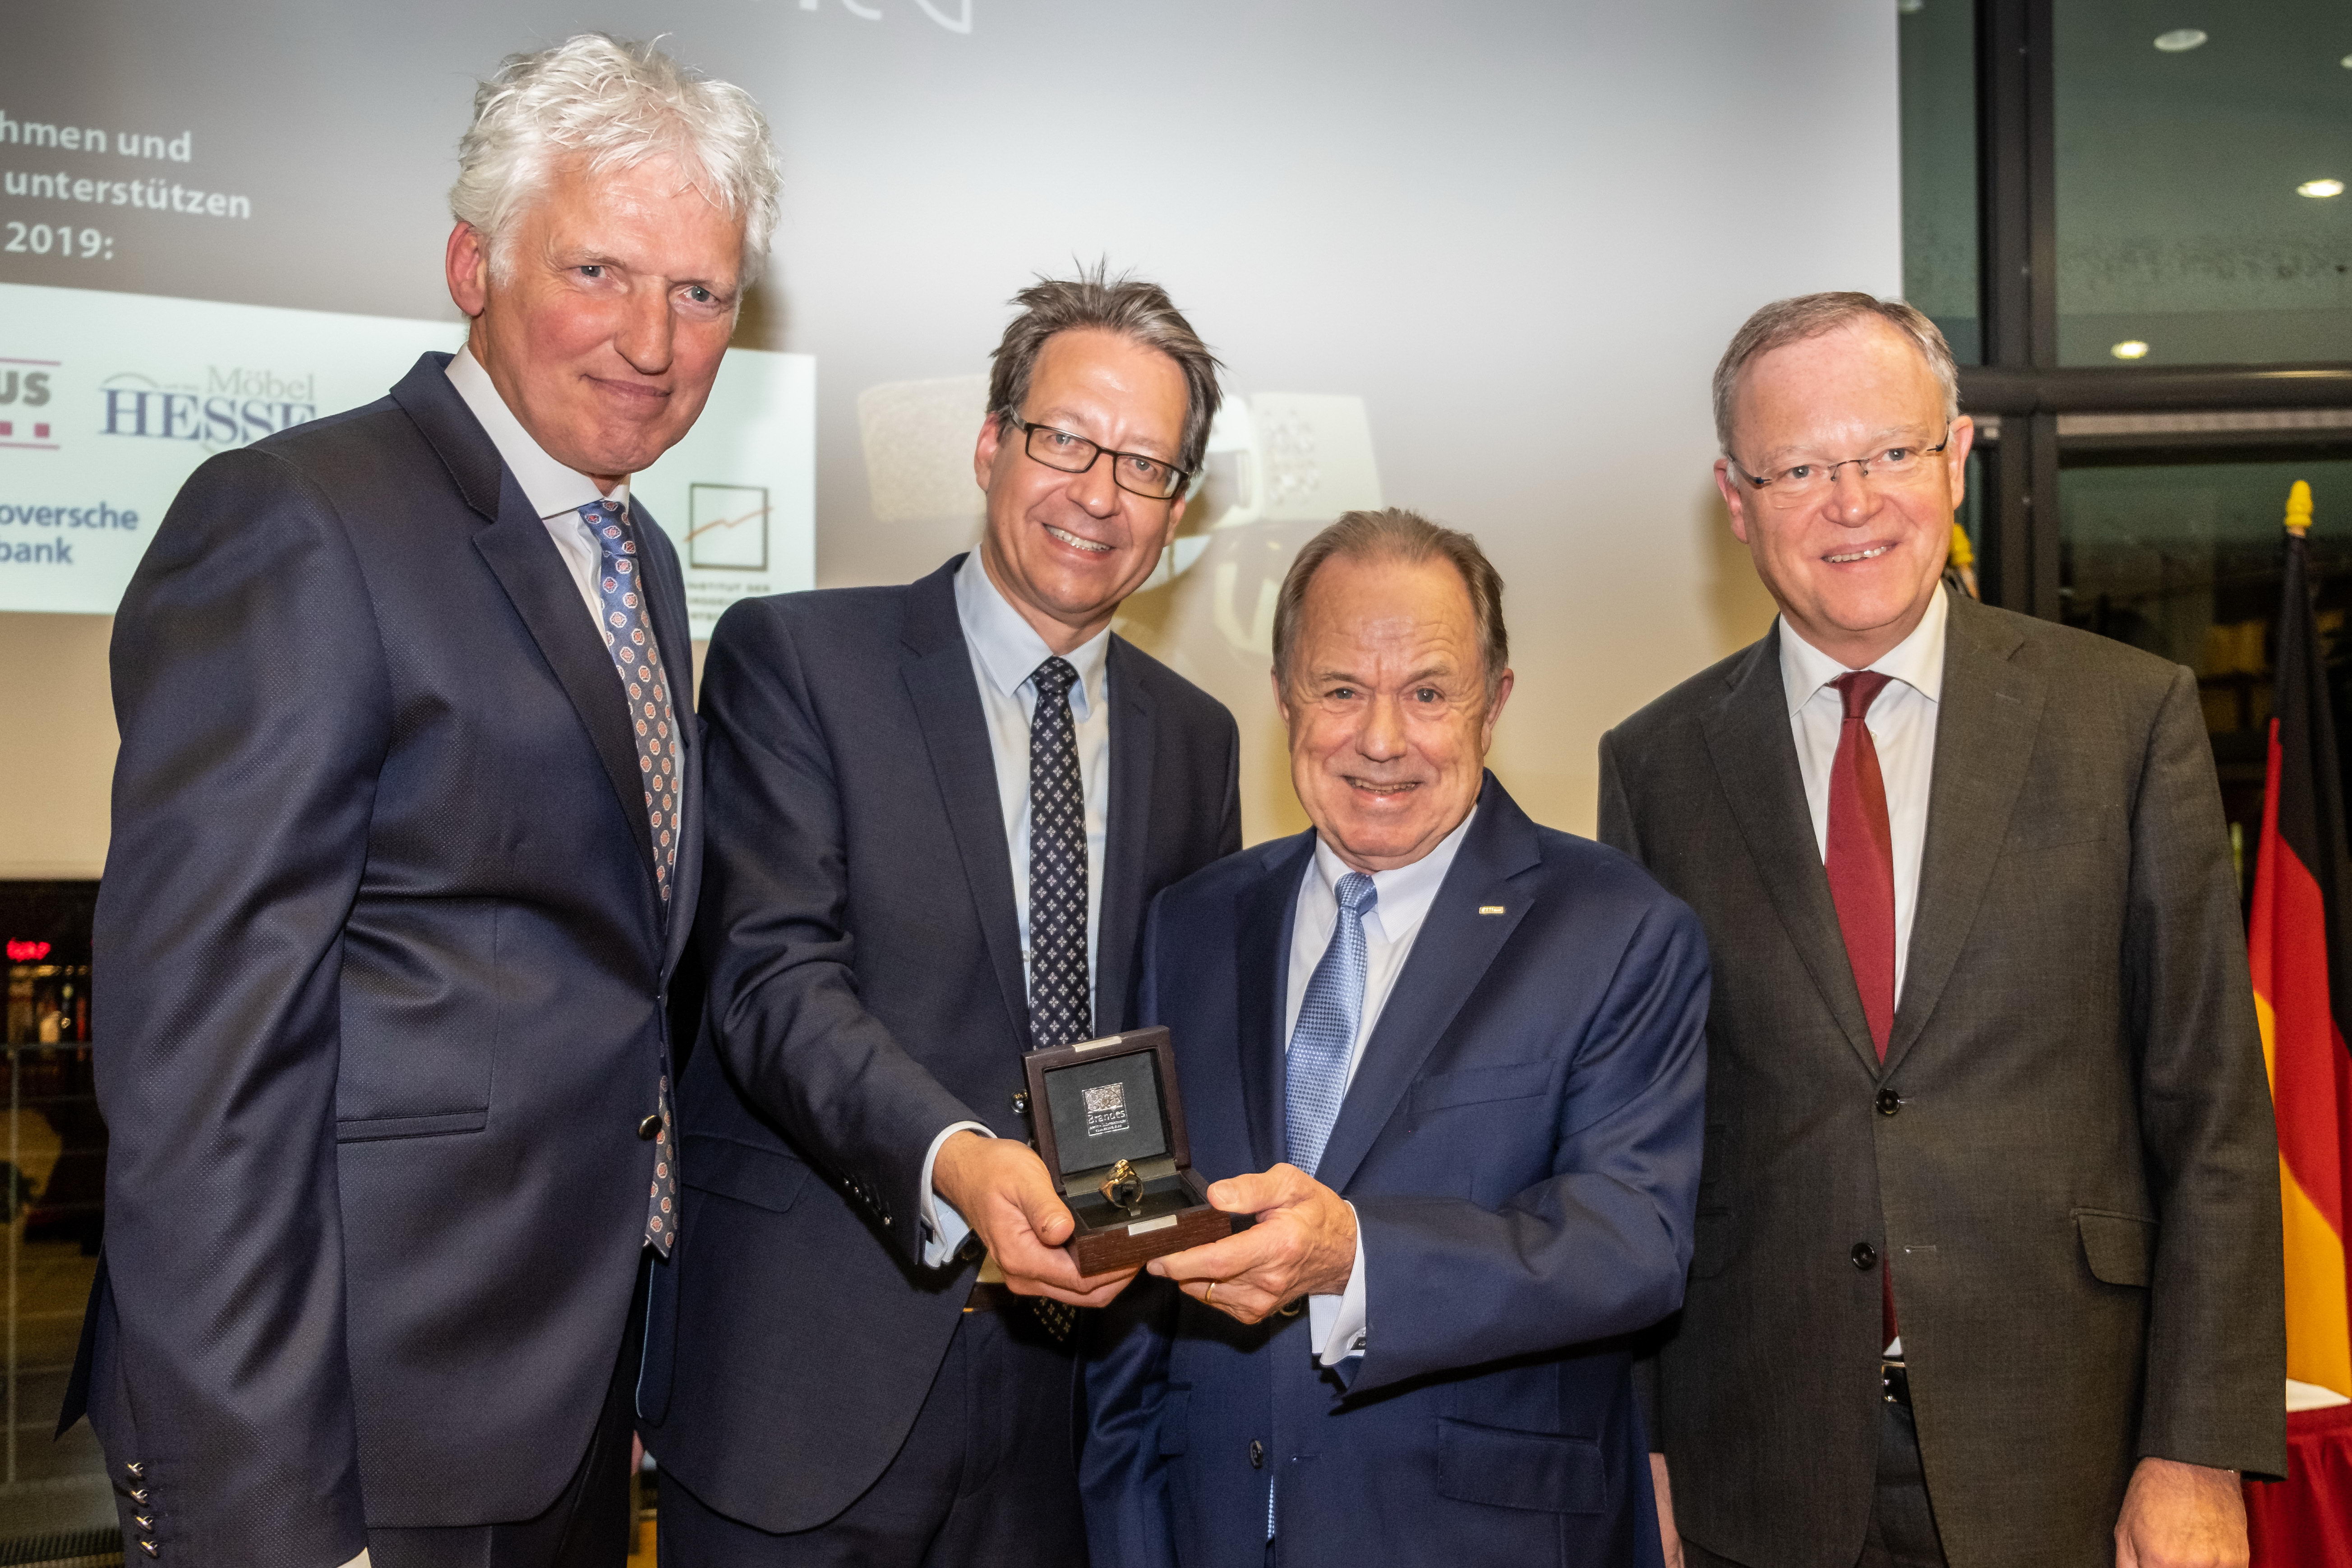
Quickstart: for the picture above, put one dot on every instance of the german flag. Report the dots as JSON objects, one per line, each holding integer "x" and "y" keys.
{"x": 2295, "y": 945}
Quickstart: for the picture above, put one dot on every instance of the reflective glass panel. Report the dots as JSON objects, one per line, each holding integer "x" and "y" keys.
{"x": 55, "y": 1500}
{"x": 1939, "y": 168}
{"x": 2183, "y": 559}
{"x": 2185, "y": 133}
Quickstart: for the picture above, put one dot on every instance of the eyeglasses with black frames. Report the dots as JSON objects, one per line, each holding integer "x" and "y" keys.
{"x": 1800, "y": 482}
{"x": 1131, "y": 472}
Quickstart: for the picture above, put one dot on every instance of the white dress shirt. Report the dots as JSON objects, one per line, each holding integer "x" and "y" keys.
{"x": 555, "y": 492}
{"x": 1336, "y": 1323}
{"x": 1005, "y": 653}
{"x": 1902, "y": 725}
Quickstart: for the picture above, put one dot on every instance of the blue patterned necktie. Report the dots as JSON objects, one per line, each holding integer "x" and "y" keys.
{"x": 636, "y": 658}
{"x": 1061, "y": 997}
{"x": 1316, "y": 1074}
{"x": 1316, "y": 1070}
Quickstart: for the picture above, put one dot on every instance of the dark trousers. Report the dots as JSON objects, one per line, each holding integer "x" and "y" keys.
{"x": 986, "y": 1479}
{"x": 1901, "y": 1532}
{"x": 588, "y": 1524}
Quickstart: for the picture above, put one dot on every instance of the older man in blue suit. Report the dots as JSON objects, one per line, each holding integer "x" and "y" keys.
{"x": 1463, "y": 1055}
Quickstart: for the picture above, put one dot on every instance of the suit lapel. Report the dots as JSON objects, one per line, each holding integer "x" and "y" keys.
{"x": 1986, "y": 724}
{"x": 1755, "y": 761}
{"x": 538, "y": 584}
{"x": 946, "y": 694}
{"x": 1448, "y": 960}
{"x": 1261, "y": 924}
{"x": 1131, "y": 742}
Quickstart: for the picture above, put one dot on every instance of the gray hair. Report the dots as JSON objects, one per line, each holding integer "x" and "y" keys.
{"x": 615, "y": 105}
{"x": 1127, "y": 305}
{"x": 1396, "y": 534}
{"x": 1786, "y": 321}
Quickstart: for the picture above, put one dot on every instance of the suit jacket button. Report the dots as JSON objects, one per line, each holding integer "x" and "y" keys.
{"x": 149, "y": 1547}
{"x": 1257, "y": 1455}
{"x": 138, "y": 1494}
{"x": 1864, "y": 1255}
{"x": 144, "y": 1521}
{"x": 1888, "y": 1102}
{"x": 650, "y": 1128}
{"x": 134, "y": 1468}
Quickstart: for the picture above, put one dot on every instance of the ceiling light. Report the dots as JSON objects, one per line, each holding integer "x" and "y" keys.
{"x": 1910, "y": 7}
{"x": 2180, "y": 40}
{"x": 2130, "y": 348}
{"x": 2320, "y": 188}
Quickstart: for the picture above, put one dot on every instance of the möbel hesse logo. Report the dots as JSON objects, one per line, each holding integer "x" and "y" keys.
{"x": 236, "y": 406}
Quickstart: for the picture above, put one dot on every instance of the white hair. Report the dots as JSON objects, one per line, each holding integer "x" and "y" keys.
{"x": 614, "y": 105}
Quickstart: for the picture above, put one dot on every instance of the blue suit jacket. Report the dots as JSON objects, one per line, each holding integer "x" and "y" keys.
{"x": 1521, "y": 1145}
{"x": 380, "y": 992}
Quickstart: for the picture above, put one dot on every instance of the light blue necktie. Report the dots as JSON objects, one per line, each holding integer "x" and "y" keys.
{"x": 1316, "y": 1073}
{"x": 1316, "y": 1076}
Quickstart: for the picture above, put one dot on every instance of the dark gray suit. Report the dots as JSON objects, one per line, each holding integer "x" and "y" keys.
{"x": 2075, "y": 1172}
{"x": 380, "y": 984}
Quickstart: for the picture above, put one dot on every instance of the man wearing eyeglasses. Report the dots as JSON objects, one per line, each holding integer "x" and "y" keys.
{"x": 936, "y": 815}
{"x": 1987, "y": 1267}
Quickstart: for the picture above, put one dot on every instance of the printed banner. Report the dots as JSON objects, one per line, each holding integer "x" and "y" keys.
{"x": 108, "y": 402}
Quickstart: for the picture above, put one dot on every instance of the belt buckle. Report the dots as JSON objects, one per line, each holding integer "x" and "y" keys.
{"x": 1894, "y": 1382}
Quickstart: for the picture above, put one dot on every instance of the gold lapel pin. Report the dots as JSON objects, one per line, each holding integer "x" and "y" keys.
{"x": 1490, "y": 908}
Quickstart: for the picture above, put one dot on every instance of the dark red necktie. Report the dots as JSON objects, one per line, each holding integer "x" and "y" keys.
{"x": 1860, "y": 860}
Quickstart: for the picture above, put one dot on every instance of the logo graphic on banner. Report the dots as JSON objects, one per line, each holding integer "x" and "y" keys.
{"x": 727, "y": 528}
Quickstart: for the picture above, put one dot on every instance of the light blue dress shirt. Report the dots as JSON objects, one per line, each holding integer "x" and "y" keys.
{"x": 1005, "y": 653}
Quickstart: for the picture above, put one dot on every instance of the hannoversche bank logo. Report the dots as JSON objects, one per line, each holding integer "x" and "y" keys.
{"x": 236, "y": 404}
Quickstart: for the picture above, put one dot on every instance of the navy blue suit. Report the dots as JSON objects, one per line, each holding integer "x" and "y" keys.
{"x": 379, "y": 998}
{"x": 866, "y": 990}
{"x": 1521, "y": 1145}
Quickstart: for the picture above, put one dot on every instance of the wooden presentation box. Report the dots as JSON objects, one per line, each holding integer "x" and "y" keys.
{"x": 1098, "y": 1102}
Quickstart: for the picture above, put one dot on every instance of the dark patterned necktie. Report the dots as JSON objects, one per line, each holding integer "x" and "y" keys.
{"x": 1061, "y": 996}
{"x": 1061, "y": 993}
{"x": 636, "y": 657}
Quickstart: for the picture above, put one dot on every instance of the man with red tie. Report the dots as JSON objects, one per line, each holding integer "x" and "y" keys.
{"x": 1987, "y": 1258}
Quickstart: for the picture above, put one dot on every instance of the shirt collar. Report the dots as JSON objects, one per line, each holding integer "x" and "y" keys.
{"x": 1918, "y": 661}
{"x": 1404, "y": 894}
{"x": 551, "y": 489}
{"x": 1009, "y": 648}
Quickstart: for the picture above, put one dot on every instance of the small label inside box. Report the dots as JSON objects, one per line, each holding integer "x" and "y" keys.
{"x": 1106, "y": 1109}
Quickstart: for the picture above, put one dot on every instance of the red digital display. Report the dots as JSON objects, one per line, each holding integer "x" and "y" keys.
{"x": 27, "y": 952}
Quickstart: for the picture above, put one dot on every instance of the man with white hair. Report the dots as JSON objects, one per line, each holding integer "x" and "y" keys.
{"x": 405, "y": 849}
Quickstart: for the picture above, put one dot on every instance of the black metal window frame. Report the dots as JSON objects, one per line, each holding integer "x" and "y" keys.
{"x": 2021, "y": 397}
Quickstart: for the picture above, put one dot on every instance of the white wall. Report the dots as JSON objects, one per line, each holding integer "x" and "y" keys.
{"x": 1518, "y": 232}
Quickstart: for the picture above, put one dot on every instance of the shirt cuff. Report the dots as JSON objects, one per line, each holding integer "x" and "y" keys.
{"x": 943, "y": 1228}
{"x": 358, "y": 1562}
{"x": 1336, "y": 1323}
